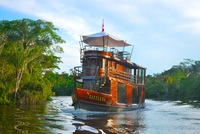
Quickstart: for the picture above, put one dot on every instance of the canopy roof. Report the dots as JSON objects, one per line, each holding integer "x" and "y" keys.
{"x": 103, "y": 39}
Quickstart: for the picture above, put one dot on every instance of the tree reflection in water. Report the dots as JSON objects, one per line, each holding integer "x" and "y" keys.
{"x": 23, "y": 119}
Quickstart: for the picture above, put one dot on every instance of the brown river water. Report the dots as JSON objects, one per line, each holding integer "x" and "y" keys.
{"x": 59, "y": 117}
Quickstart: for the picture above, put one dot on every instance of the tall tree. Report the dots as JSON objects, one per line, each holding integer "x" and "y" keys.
{"x": 3, "y": 35}
{"x": 30, "y": 47}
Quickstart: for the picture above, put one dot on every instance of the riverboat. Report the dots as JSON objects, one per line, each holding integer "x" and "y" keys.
{"x": 107, "y": 80}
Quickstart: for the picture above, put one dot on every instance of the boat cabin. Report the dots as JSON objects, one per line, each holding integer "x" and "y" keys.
{"x": 110, "y": 71}
{"x": 107, "y": 80}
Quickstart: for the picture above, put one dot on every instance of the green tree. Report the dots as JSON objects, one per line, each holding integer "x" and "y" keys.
{"x": 28, "y": 52}
{"x": 62, "y": 83}
{"x": 153, "y": 87}
{"x": 181, "y": 82}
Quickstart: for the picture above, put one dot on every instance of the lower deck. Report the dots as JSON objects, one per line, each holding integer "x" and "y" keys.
{"x": 98, "y": 101}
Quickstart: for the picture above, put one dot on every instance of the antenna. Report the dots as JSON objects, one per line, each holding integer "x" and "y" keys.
{"x": 131, "y": 52}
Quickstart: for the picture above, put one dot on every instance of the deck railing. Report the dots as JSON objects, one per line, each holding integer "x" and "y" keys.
{"x": 86, "y": 72}
{"x": 123, "y": 55}
{"x": 112, "y": 72}
{"x": 78, "y": 71}
{"x": 91, "y": 72}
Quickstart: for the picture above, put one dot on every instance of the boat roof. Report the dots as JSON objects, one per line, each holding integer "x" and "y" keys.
{"x": 139, "y": 66}
{"x": 131, "y": 64}
{"x": 103, "y": 39}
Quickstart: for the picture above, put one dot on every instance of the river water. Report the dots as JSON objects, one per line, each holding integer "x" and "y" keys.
{"x": 58, "y": 117}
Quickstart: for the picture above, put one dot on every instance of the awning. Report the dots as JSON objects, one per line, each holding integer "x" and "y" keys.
{"x": 103, "y": 39}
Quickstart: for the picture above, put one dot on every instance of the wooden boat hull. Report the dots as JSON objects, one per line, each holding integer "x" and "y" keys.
{"x": 104, "y": 108}
{"x": 96, "y": 101}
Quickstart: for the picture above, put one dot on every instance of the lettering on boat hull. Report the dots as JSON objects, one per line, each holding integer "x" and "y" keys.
{"x": 96, "y": 97}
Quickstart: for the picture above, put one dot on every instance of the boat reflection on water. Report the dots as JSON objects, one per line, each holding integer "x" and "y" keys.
{"x": 124, "y": 122}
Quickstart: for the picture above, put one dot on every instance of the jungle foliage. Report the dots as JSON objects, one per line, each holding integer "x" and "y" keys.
{"x": 27, "y": 54}
{"x": 181, "y": 82}
{"x": 62, "y": 84}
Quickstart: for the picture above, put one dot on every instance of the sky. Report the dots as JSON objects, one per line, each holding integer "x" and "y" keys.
{"x": 163, "y": 32}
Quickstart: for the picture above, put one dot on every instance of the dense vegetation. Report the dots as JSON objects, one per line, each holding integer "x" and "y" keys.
{"x": 181, "y": 82}
{"x": 27, "y": 54}
{"x": 62, "y": 84}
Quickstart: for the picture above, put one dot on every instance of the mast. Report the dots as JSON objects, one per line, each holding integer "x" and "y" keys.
{"x": 103, "y": 31}
{"x": 102, "y": 25}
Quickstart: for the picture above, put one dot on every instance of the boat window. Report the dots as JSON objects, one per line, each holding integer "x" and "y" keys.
{"x": 121, "y": 93}
{"x": 90, "y": 61}
{"x": 93, "y": 61}
{"x": 99, "y": 63}
{"x": 140, "y": 75}
{"x": 89, "y": 84}
{"x": 135, "y": 95}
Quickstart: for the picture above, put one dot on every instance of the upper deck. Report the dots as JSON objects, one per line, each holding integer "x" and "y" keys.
{"x": 122, "y": 57}
{"x": 103, "y": 59}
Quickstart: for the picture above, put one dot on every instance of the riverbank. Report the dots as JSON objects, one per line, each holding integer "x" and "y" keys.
{"x": 194, "y": 103}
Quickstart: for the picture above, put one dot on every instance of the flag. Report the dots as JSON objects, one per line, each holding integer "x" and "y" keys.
{"x": 102, "y": 25}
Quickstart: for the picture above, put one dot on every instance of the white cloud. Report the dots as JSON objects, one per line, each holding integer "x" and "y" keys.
{"x": 189, "y": 12}
{"x": 162, "y": 31}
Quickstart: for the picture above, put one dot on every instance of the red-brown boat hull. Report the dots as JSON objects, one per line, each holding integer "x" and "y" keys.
{"x": 96, "y": 101}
